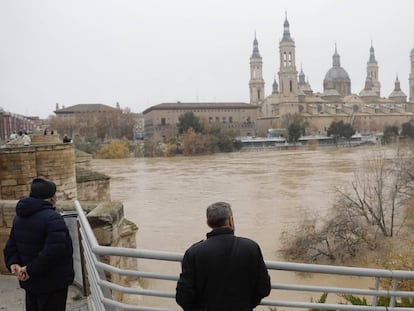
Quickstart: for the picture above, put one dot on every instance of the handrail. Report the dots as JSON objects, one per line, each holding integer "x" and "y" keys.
{"x": 101, "y": 288}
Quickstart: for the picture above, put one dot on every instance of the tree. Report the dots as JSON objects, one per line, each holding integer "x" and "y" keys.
{"x": 380, "y": 191}
{"x": 189, "y": 120}
{"x": 295, "y": 131}
{"x": 62, "y": 125}
{"x": 339, "y": 129}
{"x": 390, "y": 132}
{"x": 295, "y": 125}
{"x": 372, "y": 206}
{"x": 195, "y": 143}
{"x": 408, "y": 130}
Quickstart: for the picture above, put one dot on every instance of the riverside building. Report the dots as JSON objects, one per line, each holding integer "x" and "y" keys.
{"x": 367, "y": 111}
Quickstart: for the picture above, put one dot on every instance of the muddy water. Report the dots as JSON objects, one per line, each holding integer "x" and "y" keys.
{"x": 271, "y": 192}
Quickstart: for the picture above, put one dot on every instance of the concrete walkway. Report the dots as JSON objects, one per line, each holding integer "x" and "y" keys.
{"x": 12, "y": 296}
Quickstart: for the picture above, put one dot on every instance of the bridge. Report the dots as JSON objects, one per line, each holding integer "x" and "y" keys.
{"x": 102, "y": 289}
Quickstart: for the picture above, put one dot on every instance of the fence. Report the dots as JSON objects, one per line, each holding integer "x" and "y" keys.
{"x": 101, "y": 289}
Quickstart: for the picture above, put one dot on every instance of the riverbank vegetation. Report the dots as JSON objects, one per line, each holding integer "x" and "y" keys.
{"x": 372, "y": 220}
{"x": 195, "y": 137}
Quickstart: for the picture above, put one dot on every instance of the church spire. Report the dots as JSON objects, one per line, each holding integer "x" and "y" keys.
{"x": 373, "y": 70}
{"x": 336, "y": 59}
{"x": 286, "y": 31}
{"x": 255, "y": 53}
{"x": 372, "y": 59}
{"x": 256, "y": 83}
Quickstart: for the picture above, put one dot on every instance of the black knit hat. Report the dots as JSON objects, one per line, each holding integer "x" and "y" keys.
{"x": 42, "y": 188}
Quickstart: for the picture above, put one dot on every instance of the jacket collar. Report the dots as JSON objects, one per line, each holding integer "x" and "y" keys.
{"x": 220, "y": 231}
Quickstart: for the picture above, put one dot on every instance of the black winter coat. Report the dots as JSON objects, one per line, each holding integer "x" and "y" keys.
{"x": 40, "y": 240}
{"x": 223, "y": 273}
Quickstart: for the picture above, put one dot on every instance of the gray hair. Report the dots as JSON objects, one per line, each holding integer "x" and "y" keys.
{"x": 218, "y": 213}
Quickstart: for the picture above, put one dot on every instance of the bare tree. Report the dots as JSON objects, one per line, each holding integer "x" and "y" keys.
{"x": 375, "y": 202}
{"x": 380, "y": 190}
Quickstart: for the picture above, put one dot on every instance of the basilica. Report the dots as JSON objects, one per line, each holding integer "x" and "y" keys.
{"x": 367, "y": 111}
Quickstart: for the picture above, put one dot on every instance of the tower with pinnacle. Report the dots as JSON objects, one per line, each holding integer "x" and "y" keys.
{"x": 372, "y": 71}
{"x": 288, "y": 75}
{"x": 256, "y": 83}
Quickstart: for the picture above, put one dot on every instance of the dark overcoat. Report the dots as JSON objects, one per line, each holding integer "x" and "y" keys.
{"x": 40, "y": 240}
{"x": 222, "y": 273}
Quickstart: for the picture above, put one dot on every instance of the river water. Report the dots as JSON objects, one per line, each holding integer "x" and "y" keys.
{"x": 271, "y": 192}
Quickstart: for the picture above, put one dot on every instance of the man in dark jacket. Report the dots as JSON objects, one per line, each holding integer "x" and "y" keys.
{"x": 39, "y": 249}
{"x": 223, "y": 272}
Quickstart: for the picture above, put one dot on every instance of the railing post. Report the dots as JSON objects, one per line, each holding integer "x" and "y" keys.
{"x": 375, "y": 298}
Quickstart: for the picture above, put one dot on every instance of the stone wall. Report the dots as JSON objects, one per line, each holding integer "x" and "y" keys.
{"x": 92, "y": 186}
{"x": 19, "y": 165}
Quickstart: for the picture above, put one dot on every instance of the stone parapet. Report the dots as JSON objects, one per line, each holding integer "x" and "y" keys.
{"x": 92, "y": 185}
{"x": 19, "y": 165}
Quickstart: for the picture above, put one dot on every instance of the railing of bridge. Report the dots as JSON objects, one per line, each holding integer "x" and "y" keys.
{"x": 101, "y": 289}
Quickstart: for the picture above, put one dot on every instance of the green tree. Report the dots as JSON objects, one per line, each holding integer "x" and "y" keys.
{"x": 390, "y": 133}
{"x": 339, "y": 129}
{"x": 189, "y": 120}
{"x": 295, "y": 124}
{"x": 295, "y": 130}
{"x": 408, "y": 130}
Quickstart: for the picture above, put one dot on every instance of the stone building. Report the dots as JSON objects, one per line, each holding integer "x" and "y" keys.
{"x": 14, "y": 123}
{"x": 367, "y": 111}
{"x": 161, "y": 120}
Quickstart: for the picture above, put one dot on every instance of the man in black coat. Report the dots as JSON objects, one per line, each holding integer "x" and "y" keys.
{"x": 39, "y": 250}
{"x": 223, "y": 272}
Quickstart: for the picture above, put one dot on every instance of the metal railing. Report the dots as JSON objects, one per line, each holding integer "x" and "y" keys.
{"x": 101, "y": 289}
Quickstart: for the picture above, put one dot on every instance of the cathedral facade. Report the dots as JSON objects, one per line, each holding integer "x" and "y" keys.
{"x": 367, "y": 111}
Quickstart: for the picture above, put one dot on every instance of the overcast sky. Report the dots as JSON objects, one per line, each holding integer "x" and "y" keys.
{"x": 142, "y": 53}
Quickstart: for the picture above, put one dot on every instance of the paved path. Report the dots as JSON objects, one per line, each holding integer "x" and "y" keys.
{"x": 12, "y": 296}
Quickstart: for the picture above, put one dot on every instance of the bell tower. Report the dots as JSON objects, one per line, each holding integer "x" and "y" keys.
{"x": 288, "y": 75}
{"x": 256, "y": 83}
{"x": 372, "y": 70}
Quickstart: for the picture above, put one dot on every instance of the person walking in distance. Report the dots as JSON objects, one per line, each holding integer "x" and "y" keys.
{"x": 39, "y": 249}
{"x": 223, "y": 272}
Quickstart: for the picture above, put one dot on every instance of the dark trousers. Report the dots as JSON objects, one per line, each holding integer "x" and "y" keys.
{"x": 55, "y": 301}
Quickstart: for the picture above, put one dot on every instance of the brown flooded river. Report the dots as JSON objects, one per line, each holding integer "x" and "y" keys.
{"x": 271, "y": 192}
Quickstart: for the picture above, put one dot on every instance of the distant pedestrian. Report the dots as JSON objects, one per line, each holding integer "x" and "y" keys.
{"x": 66, "y": 139}
{"x": 26, "y": 140}
{"x": 39, "y": 249}
{"x": 13, "y": 136}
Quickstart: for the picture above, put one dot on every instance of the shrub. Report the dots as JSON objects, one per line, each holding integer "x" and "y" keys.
{"x": 115, "y": 149}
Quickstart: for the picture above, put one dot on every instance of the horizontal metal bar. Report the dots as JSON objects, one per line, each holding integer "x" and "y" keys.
{"x": 142, "y": 274}
{"x": 339, "y": 270}
{"x": 339, "y": 290}
{"x": 137, "y": 291}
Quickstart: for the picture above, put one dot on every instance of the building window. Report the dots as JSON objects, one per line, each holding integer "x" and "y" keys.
{"x": 163, "y": 121}
{"x": 230, "y": 119}
{"x": 224, "y": 119}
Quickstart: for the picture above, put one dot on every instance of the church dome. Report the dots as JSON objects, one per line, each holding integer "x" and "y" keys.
{"x": 336, "y": 73}
{"x": 336, "y": 77}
